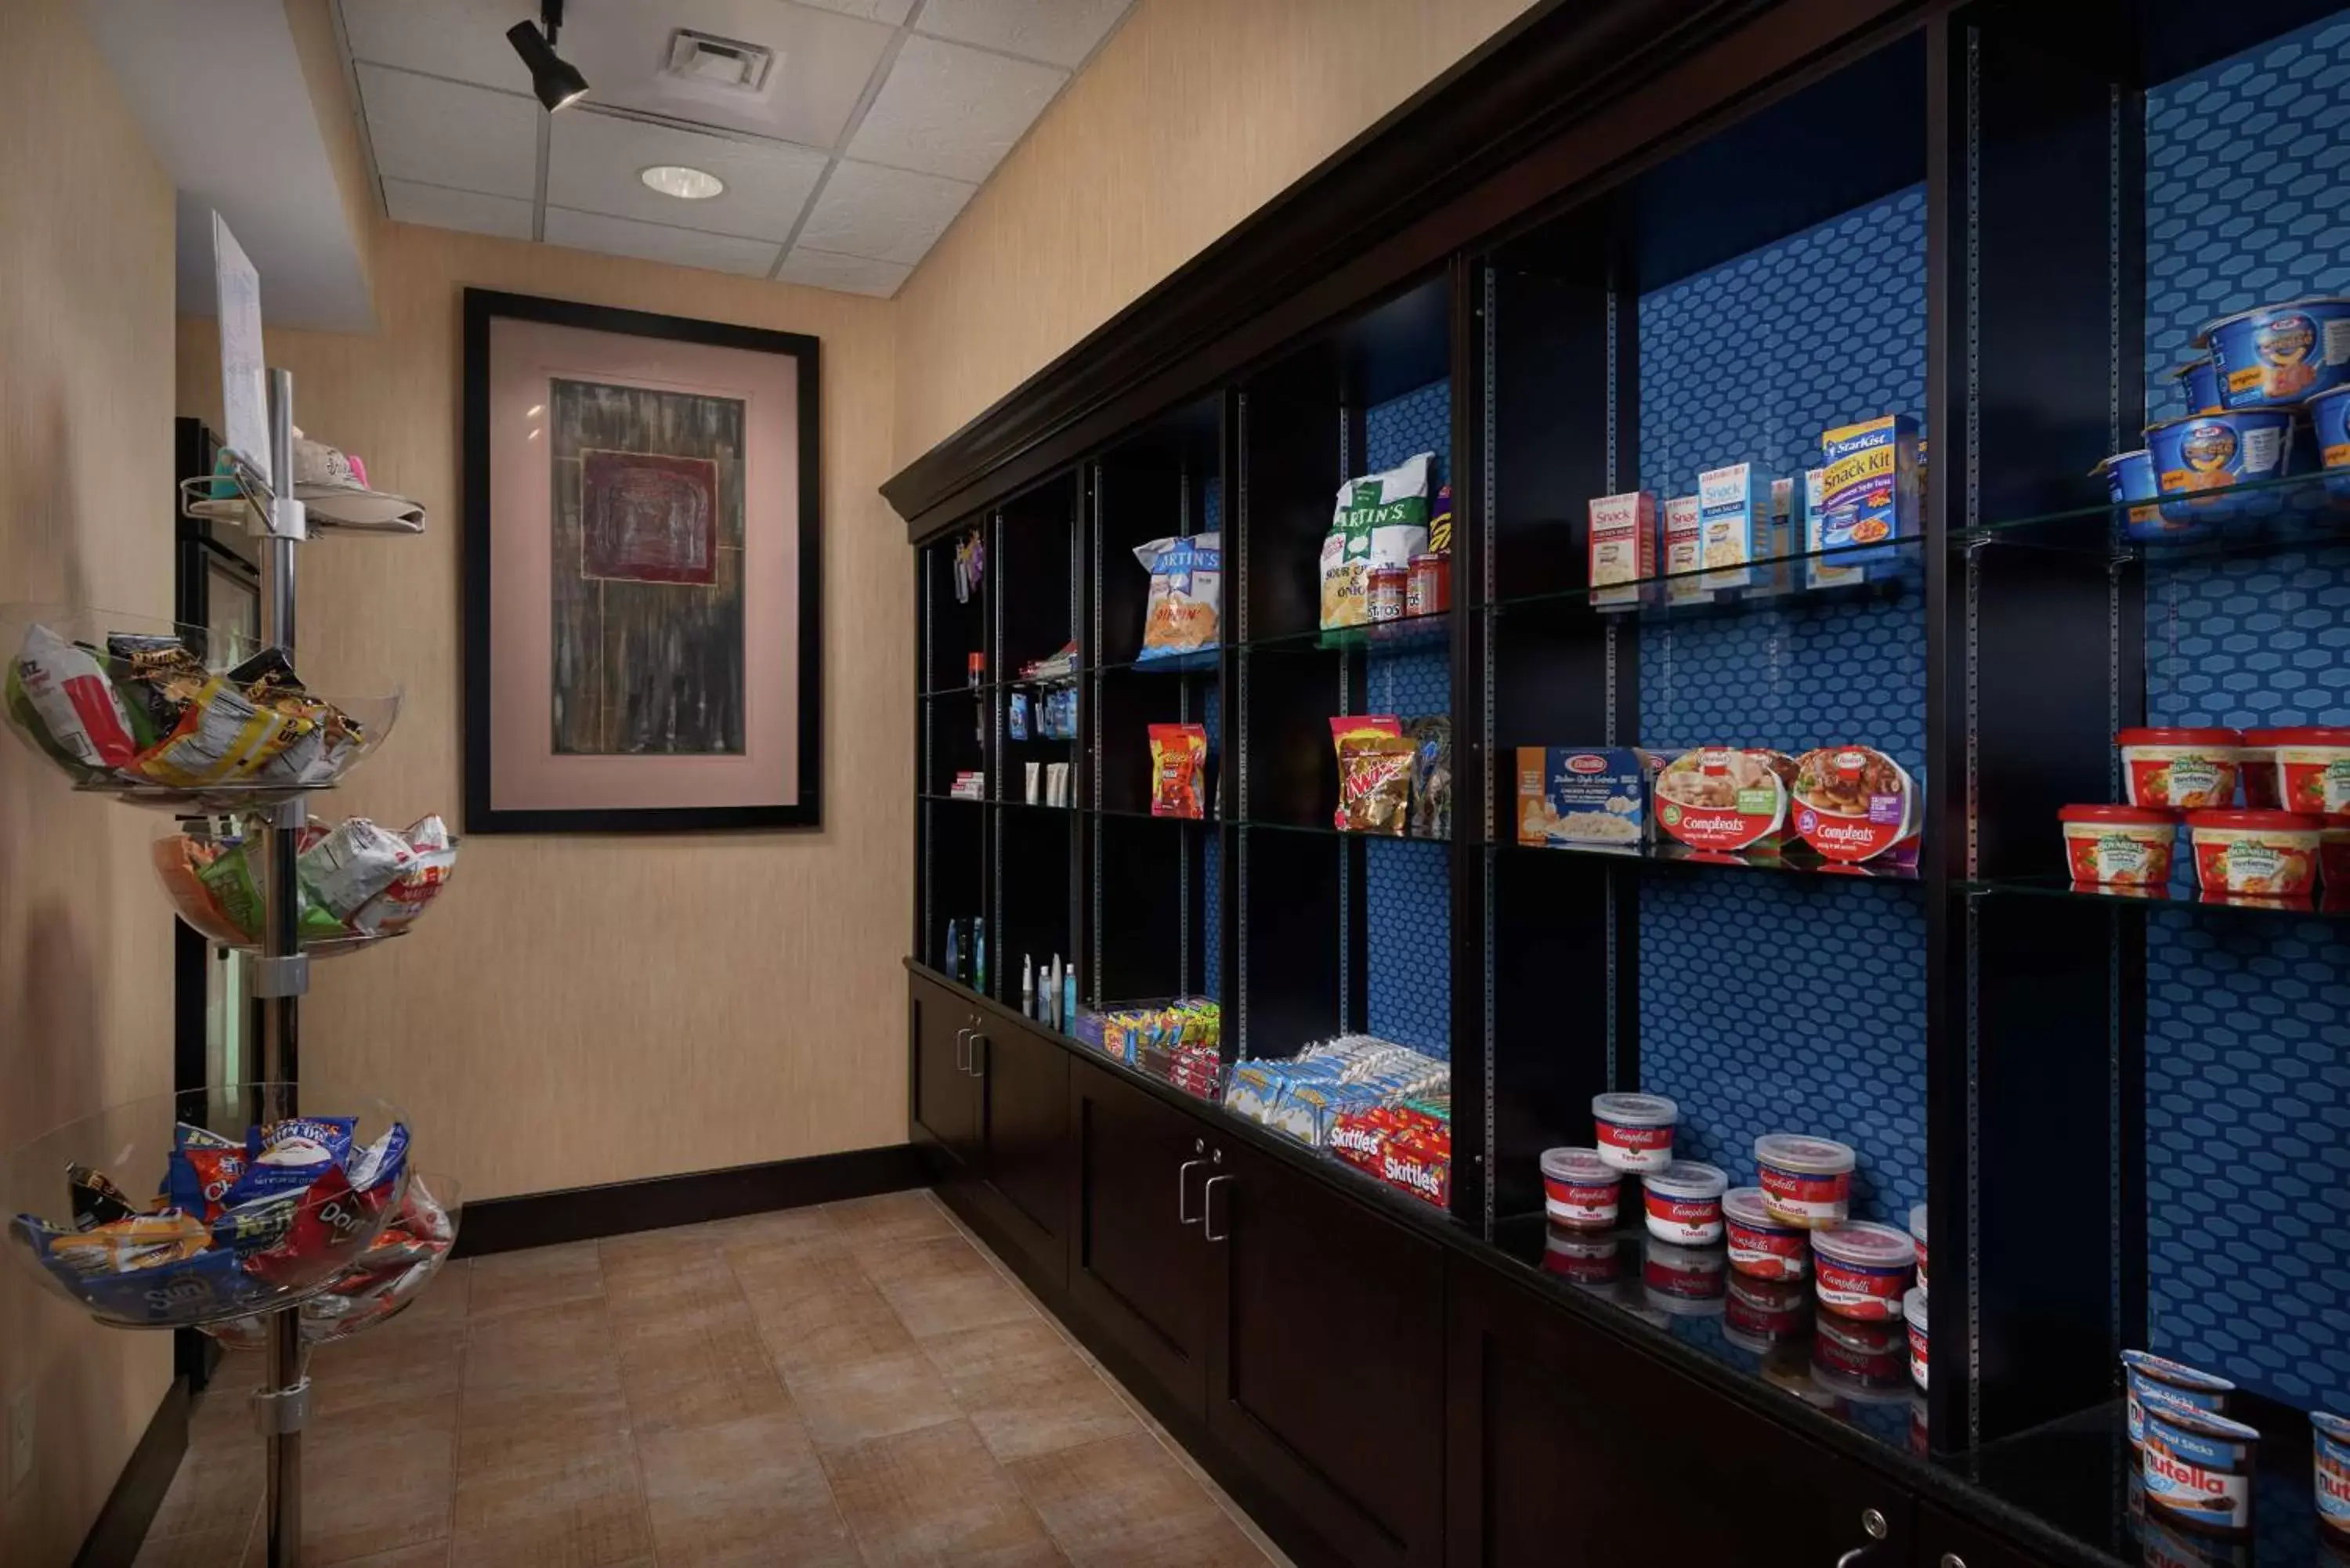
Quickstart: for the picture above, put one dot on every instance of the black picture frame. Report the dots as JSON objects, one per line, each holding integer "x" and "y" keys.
{"x": 482, "y": 308}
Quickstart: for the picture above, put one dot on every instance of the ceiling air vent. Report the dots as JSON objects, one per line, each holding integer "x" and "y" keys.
{"x": 711, "y": 61}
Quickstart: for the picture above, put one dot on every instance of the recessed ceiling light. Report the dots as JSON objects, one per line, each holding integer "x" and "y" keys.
{"x": 677, "y": 180}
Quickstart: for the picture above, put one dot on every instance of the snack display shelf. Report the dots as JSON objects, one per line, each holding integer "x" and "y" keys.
{"x": 1892, "y": 570}
{"x": 952, "y": 799}
{"x": 1407, "y": 632}
{"x": 1681, "y": 854}
{"x": 1148, "y": 816}
{"x": 382, "y": 1282}
{"x": 984, "y": 689}
{"x": 154, "y": 1213}
{"x": 1326, "y": 830}
{"x": 358, "y": 884}
{"x": 2333, "y": 904}
{"x": 2295, "y": 512}
{"x": 1198, "y": 662}
{"x": 329, "y": 508}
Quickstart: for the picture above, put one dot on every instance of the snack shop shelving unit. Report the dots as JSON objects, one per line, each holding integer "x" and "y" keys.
{"x": 2128, "y": 1115}
{"x": 262, "y": 1311}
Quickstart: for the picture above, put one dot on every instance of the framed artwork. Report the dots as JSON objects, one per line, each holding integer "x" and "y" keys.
{"x": 642, "y": 581}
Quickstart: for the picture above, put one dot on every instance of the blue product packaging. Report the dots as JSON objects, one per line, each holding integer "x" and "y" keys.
{"x": 1871, "y": 490}
{"x": 1592, "y": 797}
{"x": 1820, "y": 574}
{"x": 1020, "y": 715}
{"x": 1733, "y": 509}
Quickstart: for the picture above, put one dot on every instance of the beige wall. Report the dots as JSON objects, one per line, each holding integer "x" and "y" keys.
{"x": 85, "y": 516}
{"x": 582, "y": 1009}
{"x": 1191, "y": 117}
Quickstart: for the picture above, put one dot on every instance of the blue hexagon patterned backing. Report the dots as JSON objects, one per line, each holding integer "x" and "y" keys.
{"x": 1408, "y": 895}
{"x": 1769, "y": 1002}
{"x": 2248, "y": 1022}
{"x": 1212, "y": 913}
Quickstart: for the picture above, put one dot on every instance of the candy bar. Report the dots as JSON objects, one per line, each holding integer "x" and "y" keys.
{"x": 95, "y": 1200}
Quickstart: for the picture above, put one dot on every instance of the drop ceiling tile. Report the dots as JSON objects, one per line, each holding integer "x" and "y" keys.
{"x": 462, "y": 40}
{"x": 892, "y": 12}
{"x": 1063, "y": 32}
{"x": 658, "y": 243}
{"x": 593, "y": 161}
{"x": 821, "y": 63}
{"x": 850, "y": 274}
{"x": 441, "y": 133}
{"x": 950, "y": 110}
{"x": 889, "y": 215}
{"x": 438, "y": 208}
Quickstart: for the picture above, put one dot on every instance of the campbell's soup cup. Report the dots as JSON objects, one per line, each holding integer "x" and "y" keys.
{"x": 1580, "y": 1190}
{"x": 1762, "y": 1244}
{"x": 2275, "y": 355}
{"x": 2198, "y": 1466}
{"x": 2179, "y": 768}
{"x": 1684, "y": 1202}
{"x": 1918, "y": 1235}
{"x": 2119, "y": 846}
{"x": 2330, "y": 1443}
{"x": 1862, "y": 1359}
{"x": 2313, "y": 768}
{"x": 1913, "y": 1316}
{"x": 1761, "y": 1313}
{"x": 1861, "y": 1271}
{"x": 1684, "y": 1281}
{"x": 2175, "y": 1380}
{"x": 2255, "y": 853}
{"x": 1635, "y": 1131}
{"x": 1806, "y": 1181}
{"x": 1585, "y": 1258}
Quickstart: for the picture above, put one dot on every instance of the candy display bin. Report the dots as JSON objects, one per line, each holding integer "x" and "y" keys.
{"x": 385, "y": 1280}
{"x": 76, "y": 692}
{"x": 206, "y": 872}
{"x": 136, "y": 1214}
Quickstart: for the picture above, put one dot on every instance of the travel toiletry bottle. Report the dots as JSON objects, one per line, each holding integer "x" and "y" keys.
{"x": 1069, "y": 998}
{"x": 1027, "y": 988}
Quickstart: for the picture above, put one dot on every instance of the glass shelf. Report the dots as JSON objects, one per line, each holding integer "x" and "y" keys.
{"x": 2296, "y": 511}
{"x": 1431, "y": 631}
{"x": 2329, "y": 905}
{"x": 1683, "y": 855}
{"x": 1653, "y": 596}
{"x": 1120, "y": 814}
{"x": 984, "y": 689}
{"x": 1326, "y": 830}
{"x": 953, "y": 799}
{"x": 1198, "y": 662}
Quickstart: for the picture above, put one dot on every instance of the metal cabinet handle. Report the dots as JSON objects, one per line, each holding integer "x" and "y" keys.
{"x": 1183, "y": 1191}
{"x": 1873, "y": 1525}
{"x": 978, "y": 1057}
{"x": 1953, "y": 1560}
{"x": 1208, "y": 1209}
{"x": 962, "y": 1050}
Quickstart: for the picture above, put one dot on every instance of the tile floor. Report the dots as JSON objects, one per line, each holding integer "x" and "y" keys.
{"x": 860, "y": 1383}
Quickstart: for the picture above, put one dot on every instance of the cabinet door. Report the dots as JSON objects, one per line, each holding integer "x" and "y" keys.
{"x": 1946, "y": 1541}
{"x": 1138, "y": 1267}
{"x": 945, "y": 1093}
{"x": 1024, "y": 1133}
{"x": 1326, "y": 1375}
{"x": 1565, "y": 1444}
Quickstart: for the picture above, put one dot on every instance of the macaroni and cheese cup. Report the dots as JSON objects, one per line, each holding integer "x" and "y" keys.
{"x": 2119, "y": 846}
{"x": 1806, "y": 1181}
{"x": 2199, "y": 460}
{"x": 2255, "y": 853}
{"x": 2275, "y": 355}
{"x": 2329, "y": 416}
{"x": 1635, "y": 1131}
{"x": 2179, "y": 769}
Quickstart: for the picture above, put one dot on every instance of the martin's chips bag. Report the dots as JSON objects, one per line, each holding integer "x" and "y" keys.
{"x": 1381, "y": 521}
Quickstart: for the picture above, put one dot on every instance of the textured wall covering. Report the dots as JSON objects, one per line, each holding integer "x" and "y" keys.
{"x": 1408, "y": 900}
{"x": 1767, "y": 1003}
{"x": 1192, "y": 115}
{"x": 2246, "y": 1043}
{"x": 85, "y": 289}
{"x": 583, "y": 1010}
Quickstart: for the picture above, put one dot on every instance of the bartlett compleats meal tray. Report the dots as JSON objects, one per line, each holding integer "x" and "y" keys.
{"x": 1726, "y": 798}
{"x": 1855, "y": 803}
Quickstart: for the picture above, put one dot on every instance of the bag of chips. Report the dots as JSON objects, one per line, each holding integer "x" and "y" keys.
{"x": 1187, "y": 590}
{"x": 1178, "y": 763}
{"x": 1342, "y": 729}
{"x": 1381, "y": 521}
{"x": 1431, "y": 777}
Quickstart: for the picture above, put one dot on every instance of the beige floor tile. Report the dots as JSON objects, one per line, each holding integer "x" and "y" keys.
{"x": 220, "y": 1540}
{"x": 848, "y": 1403}
{"x": 549, "y": 1490}
{"x": 1126, "y": 1501}
{"x": 744, "y": 1492}
{"x": 533, "y": 1280}
{"x": 889, "y": 1219}
{"x": 812, "y": 1224}
{"x": 525, "y": 1426}
{"x": 695, "y": 1374}
{"x": 934, "y": 1300}
{"x": 379, "y": 1477}
{"x": 567, "y": 1345}
{"x": 427, "y": 1554}
{"x": 770, "y": 1272}
{"x": 935, "y": 1496}
{"x": 389, "y": 1366}
{"x": 840, "y": 1328}
{"x": 1026, "y": 1391}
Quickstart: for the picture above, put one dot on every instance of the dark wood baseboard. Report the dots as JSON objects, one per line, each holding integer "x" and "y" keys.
{"x": 120, "y": 1528}
{"x": 583, "y": 1213}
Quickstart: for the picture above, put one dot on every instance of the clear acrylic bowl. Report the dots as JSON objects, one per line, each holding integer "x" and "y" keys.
{"x": 375, "y": 1289}
{"x": 178, "y": 857}
{"x": 188, "y": 1284}
{"x": 133, "y": 733}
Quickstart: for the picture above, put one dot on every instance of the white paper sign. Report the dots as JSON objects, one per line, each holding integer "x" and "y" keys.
{"x": 244, "y": 380}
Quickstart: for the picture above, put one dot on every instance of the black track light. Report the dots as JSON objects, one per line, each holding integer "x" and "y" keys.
{"x": 556, "y": 82}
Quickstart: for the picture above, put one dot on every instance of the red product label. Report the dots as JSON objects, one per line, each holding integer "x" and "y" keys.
{"x": 1868, "y": 1367}
{"x": 93, "y": 704}
{"x": 1801, "y": 1187}
{"x": 1872, "y": 1294}
{"x": 1424, "y": 1173}
{"x": 1768, "y": 1255}
{"x": 1691, "y": 1211}
{"x": 1598, "y": 1269}
{"x": 1575, "y": 1203}
{"x": 1690, "y": 1284}
{"x": 1619, "y": 1135}
{"x": 1765, "y": 1322}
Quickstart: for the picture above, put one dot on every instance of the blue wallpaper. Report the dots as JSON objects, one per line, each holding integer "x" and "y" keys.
{"x": 1772, "y": 1004}
{"x": 2247, "y": 1047}
{"x": 1408, "y": 900}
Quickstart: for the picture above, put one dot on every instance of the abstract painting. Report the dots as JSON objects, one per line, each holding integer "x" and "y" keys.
{"x": 641, "y": 571}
